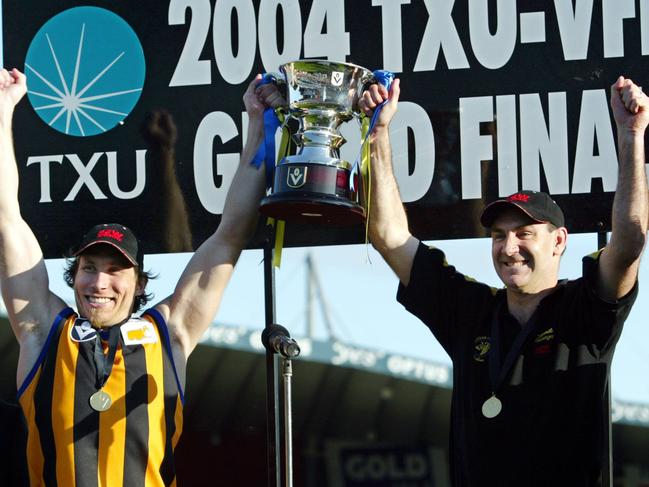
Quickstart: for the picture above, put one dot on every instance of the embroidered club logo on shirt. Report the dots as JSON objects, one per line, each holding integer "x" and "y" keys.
{"x": 82, "y": 331}
{"x": 138, "y": 332}
{"x": 543, "y": 342}
{"x": 481, "y": 346}
{"x": 546, "y": 336}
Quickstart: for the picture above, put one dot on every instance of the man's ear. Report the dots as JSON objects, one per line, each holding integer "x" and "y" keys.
{"x": 560, "y": 240}
{"x": 142, "y": 281}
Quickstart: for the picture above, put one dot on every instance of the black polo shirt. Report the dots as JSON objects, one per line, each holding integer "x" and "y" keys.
{"x": 550, "y": 430}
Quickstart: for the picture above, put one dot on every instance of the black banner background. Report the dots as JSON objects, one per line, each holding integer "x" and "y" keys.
{"x": 442, "y": 213}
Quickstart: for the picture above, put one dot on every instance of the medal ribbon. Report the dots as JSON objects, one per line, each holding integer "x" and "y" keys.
{"x": 104, "y": 363}
{"x": 497, "y": 374}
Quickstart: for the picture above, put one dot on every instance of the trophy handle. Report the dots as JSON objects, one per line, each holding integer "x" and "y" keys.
{"x": 274, "y": 78}
{"x": 379, "y": 76}
{"x": 279, "y": 81}
{"x": 367, "y": 82}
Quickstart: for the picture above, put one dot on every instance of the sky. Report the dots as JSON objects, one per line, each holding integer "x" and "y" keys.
{"x": 360, "y": 293}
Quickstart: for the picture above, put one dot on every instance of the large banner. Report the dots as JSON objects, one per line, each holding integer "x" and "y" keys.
{"x": 135, "y": 111}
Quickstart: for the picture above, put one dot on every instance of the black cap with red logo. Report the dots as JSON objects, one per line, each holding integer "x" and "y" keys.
{"x": 119, "y": 237}
{"x": 539, "y": 206}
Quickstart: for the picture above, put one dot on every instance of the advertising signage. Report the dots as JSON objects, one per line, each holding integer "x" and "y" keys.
{"x": 135, "y": 112}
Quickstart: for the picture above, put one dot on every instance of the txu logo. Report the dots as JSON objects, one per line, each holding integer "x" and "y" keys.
{"x": 86, "y": 70}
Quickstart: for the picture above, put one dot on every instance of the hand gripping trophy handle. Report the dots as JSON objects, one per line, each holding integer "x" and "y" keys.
{"x": 313, "y": 185}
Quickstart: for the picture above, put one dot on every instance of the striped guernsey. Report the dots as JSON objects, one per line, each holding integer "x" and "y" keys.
{"x": 131, "y": 443}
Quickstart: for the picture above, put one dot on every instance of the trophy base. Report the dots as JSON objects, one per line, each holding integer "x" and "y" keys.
{"x": 307, "y": 192}
{"x": 304, "y": 207}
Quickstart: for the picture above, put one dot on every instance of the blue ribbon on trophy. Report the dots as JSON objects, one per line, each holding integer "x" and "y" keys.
{"x": 266, "y": 152}
{"x": 385, "y": 78}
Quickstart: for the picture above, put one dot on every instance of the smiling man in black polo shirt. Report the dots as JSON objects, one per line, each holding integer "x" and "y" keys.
{"x": 530, "y": 361}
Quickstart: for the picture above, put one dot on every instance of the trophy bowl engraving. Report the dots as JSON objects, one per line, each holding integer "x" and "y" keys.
{"x": 314, "y": 184}
{"x": 324, "y": 86}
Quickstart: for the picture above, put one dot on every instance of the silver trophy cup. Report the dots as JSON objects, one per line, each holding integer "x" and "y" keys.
{"x": 315, "y": 185}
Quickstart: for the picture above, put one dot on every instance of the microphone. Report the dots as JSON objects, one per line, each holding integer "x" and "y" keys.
{"x": 277, "y": 339}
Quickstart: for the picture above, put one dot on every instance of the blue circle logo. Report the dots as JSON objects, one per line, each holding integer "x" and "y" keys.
{"x": 85, "y": 70}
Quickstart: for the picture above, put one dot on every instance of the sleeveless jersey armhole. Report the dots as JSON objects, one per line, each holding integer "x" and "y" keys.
{"x": 63, "y": 315}
{"x": 162, "y": 326}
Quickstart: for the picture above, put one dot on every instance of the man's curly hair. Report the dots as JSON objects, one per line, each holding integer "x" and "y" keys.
{"x": 72, "y": 265}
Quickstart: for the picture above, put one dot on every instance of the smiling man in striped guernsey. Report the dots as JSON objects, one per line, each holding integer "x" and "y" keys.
{"x": 102, "y": 389}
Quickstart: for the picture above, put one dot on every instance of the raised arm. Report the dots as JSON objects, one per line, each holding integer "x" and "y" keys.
{"x": 193, "y": 304}
{"x": 620, "y": 259}
{"x": 23, "y": 276}
{"x": 388, "y": 224}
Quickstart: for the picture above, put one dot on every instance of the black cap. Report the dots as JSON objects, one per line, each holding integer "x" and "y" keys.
{"x": 535, "y": 204}
{"x": 119, "y": 236}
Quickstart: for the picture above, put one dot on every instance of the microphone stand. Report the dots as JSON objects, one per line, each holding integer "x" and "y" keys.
{"x": 272, "y": 397}
{"x": 277, "y": 341}
{"x": 288, "y": 423}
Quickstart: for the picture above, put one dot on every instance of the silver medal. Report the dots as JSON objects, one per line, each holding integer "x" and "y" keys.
{"x": 492, "y": 407}
{"x": 100, "y": 401}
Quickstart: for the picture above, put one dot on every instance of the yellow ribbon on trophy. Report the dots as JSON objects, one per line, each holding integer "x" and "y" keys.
{"x": 366, "y": 171}
{"x": 284, "y": 150}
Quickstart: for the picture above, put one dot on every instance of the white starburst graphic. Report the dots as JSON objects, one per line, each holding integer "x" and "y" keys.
{"x": 71, "y": 102}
